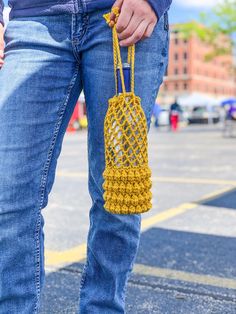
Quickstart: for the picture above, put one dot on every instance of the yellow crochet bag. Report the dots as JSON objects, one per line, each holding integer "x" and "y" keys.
{"x": 127, "y": 176}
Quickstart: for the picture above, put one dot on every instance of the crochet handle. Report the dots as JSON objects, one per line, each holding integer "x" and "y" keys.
{"x": 117, "y": 54}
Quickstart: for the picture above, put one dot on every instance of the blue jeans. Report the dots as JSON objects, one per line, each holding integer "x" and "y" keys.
{"x": 48, "y": 60}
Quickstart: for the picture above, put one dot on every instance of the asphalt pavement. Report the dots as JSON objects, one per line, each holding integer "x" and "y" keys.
{"x": 187, "y": 257}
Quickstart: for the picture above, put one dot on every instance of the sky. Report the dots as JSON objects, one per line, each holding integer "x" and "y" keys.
{"x": 182, "y": 10}
{"x": 187, "y": 10}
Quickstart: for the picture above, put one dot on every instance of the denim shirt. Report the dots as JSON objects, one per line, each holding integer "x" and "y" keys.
{"x": 21, "y": 8}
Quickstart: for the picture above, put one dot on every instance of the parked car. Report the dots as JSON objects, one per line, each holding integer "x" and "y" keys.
{"x": 202, "y": 115}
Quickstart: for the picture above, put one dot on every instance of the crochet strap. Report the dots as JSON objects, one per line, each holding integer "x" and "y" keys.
{"x": 117, "y": 55}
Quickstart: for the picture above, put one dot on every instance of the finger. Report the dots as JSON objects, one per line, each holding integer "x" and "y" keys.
{"x": 149, "y": 30}
{"x": 132, "y": 26}
{"x": 137, "y": 35}
{"x": 124, "y": 18}
{"x": 118, "y": 3}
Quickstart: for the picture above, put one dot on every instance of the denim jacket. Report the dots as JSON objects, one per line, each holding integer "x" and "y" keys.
{"x": 21, "y": 8}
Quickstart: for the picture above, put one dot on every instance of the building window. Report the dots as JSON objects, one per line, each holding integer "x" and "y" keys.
{"x": 176, "y": 41}
{"x": 176, "y": 86}
{"x": 185, "y": 86}
{"x": 185, "y": 70}
{"x": 185, "y": 56}
{"x": 176, "y": 71}
{"x": 176, "y": 56}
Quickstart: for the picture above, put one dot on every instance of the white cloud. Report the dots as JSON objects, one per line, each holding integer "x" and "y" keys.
{"x": 197, "y": 3}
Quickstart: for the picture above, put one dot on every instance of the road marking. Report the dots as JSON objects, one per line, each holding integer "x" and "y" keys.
{"x": 167, "y": 214}
{"x": 185, "y": 276}
{"x": 173, "y": 212}
{"x": 160, "y": 179}
{"x": 75, "y": 254}
{"x": 194, "y": 180}
{"x": 72, "y": 174}
{"x": 218, "y": 193}
{"x": 78, "y": 253}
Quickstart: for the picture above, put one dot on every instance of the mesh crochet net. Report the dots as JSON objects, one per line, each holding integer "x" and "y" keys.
{"x": 127, "y": 175}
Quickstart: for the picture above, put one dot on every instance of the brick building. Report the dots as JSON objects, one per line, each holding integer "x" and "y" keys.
{"x": 189, "y": 72}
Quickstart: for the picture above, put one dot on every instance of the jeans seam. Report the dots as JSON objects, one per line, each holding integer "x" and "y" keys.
{"x": 123, "y": 295}
{"x": 44, "y": 178}
{"x": 84, "y": 272}
{"x": 84, "y": 5}
{"x": 78, "y": 41}
{"x": 152, "y": 99}
{"x": 83, "y": 276}
{"x": 166, "y": 21}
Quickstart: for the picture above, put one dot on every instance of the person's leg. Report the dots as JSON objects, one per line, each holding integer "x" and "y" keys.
{"x": 39, "y": 85}
{"x": 113, "y": 239}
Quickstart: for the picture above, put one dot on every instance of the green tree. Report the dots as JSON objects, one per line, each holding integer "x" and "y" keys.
{"x": 217, "y": 28}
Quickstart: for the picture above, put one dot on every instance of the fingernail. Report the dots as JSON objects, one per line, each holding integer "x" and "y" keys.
{"x": 111, "y": 23}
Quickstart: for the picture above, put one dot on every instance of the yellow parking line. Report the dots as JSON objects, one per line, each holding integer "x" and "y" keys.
{"x": 160, "y": 179}
{"x": 194, "y": 180}
{"x": 185, "y": 276}
{"x": 72, "y": 174}
{"x": 78, "y": 253}
{"x": 172, "y": 212}
{"x": 167, "y": 214}
{"x": 217, "y": 193}
{"x": 72, "y": 255}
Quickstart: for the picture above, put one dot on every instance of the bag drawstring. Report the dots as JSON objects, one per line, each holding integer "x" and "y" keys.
{"x": 117, "y": 54}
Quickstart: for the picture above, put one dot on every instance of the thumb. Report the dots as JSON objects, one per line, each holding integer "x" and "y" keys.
{"x": 117, "y": 3}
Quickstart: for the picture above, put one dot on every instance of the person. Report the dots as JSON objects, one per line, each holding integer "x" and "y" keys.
{"x": 50, "y": 51}
{"x": 175, "y": 111}
{"x": 156, "y": 113}
{"x": 232, "y": 112}
{"x": 229, "y": 121}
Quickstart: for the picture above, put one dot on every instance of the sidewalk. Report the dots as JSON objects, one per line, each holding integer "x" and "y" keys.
{"x": 187, "y": 261}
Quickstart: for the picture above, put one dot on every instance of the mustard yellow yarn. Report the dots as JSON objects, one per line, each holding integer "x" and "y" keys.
{"x": 127, "y": 176}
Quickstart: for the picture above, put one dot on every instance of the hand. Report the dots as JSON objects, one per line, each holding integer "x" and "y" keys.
{"x": 1, "y": 45}
{"x": 135, "y": 22}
